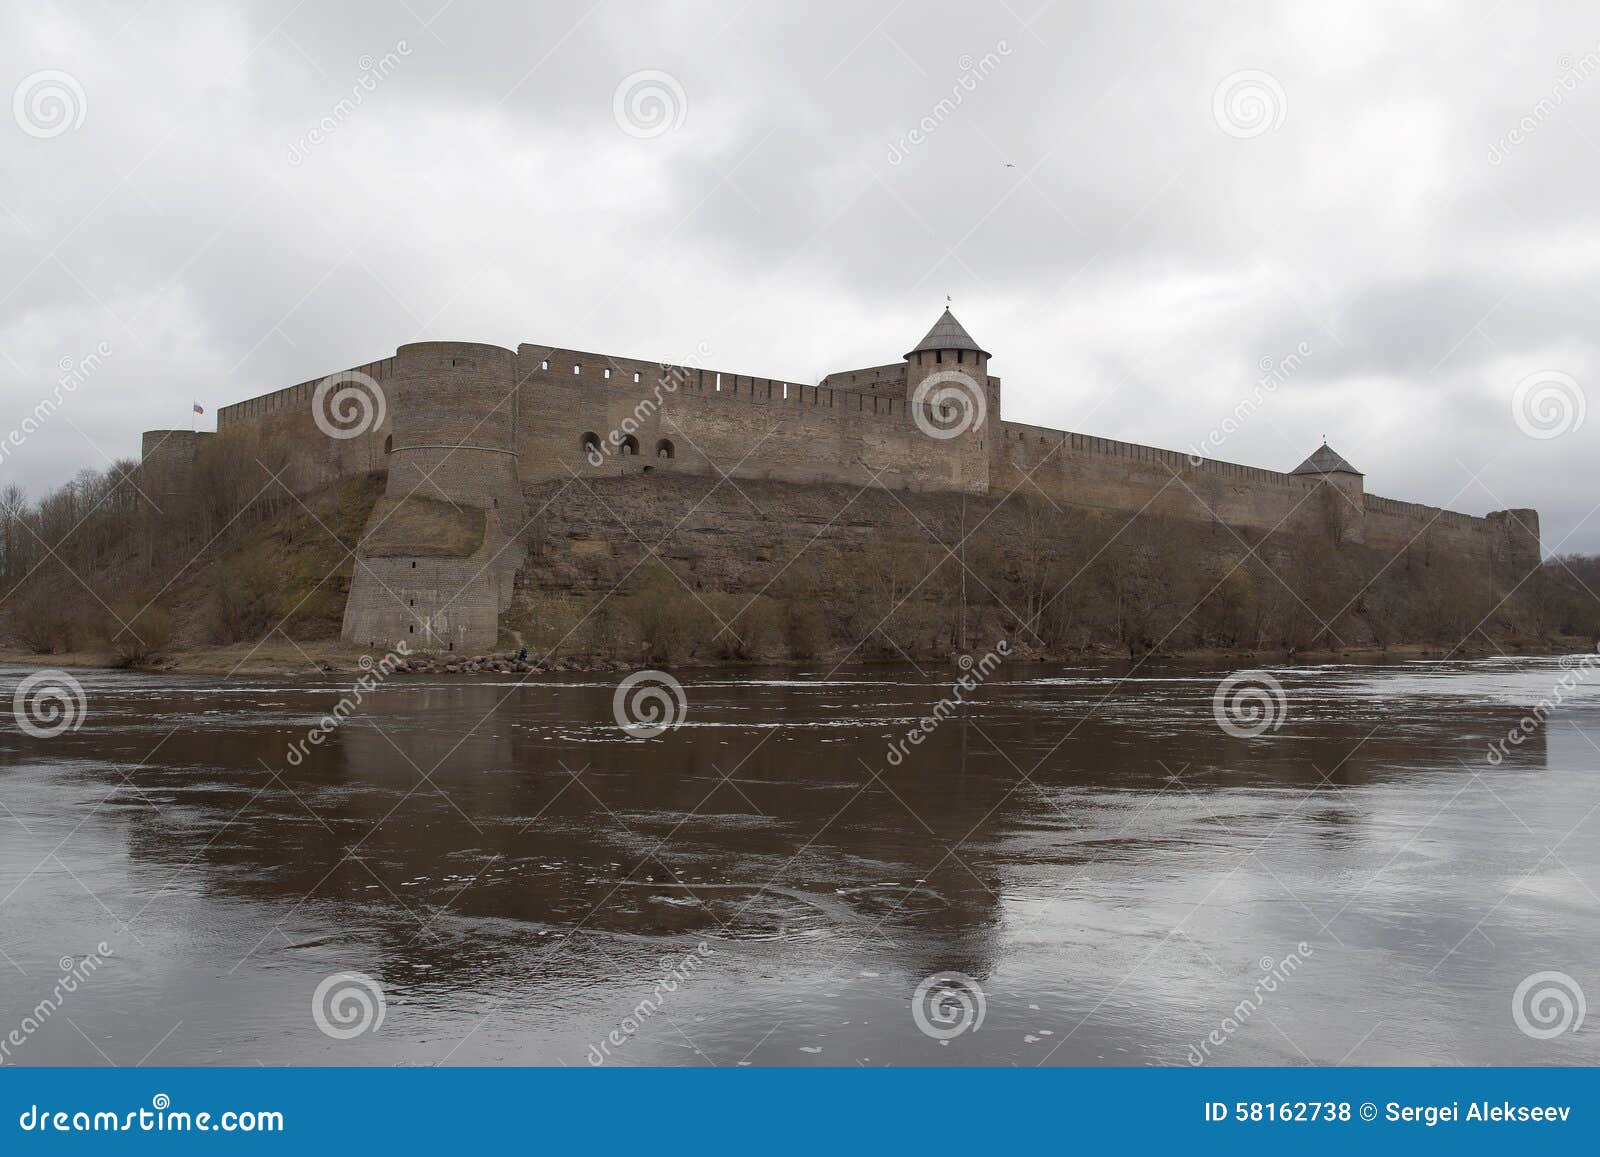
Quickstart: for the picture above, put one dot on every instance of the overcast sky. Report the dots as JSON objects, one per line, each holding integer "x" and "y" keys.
{"x": 1133, "y": 206}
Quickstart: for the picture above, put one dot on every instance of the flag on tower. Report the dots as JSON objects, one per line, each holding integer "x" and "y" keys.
{"x": 199, "y": 409}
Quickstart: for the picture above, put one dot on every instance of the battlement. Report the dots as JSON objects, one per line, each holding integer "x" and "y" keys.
{"x": 293, "y": 398}
{"x": 631, "y": 375}
{"x": 1417, "y": 511}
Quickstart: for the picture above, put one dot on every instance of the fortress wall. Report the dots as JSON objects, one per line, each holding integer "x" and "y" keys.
{"x": 564, "y": 394}
{"x": 470, "y": 423}
{"x": 749, "y": 426}
{"x": 1506, "y": 538}
{"x": 1127, "y": 477}
{"x": 889, "y": 379}
{"x": 815, "y": 435}
{"x": 1393, "y": 525}
{"x": 283, "y": 419}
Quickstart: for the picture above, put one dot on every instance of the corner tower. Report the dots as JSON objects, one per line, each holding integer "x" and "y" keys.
{"x": 951, "y": 397}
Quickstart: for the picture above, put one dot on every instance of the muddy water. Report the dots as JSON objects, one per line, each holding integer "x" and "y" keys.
{"x": 1121, "y": 880}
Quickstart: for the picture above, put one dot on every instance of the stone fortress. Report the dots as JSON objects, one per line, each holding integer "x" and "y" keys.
{"x": 461, "y": 427}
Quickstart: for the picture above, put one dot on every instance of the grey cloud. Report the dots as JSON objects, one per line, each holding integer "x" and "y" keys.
{"x": 1129, "y": 272}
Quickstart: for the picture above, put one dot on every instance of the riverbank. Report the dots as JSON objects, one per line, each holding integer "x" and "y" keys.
{"x": 331, "y": 656}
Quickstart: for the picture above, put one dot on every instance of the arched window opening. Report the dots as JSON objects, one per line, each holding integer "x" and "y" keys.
{"x": 664, "y": 449}
{"x": 630, "y": 445}
{"x": 388, "y": 444}
{"x": 589, "y": 443}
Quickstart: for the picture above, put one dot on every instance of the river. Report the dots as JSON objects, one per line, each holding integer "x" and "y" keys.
{"x": 1079, "y": 866}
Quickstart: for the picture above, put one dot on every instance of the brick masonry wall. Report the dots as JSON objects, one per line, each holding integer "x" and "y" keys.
{"x": 715, "y": 421}
{"x": 284, "y": 418}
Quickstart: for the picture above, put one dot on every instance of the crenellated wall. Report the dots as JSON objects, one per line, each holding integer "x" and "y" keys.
{"x": 467, "y": 424}
{"x": 713, "y": 421}
{"x": 285, "y": 419}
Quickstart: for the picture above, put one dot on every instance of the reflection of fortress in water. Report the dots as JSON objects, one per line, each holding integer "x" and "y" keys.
{"x": 457, "y": 835}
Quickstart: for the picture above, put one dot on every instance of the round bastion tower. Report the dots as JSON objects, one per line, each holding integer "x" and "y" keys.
{"x": 453, "y": 407}
{"x": 436, "y": 566}
{"x": 950, "y": 397}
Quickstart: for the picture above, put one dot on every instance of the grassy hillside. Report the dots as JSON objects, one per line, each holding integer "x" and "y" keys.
{"x": 98, "y": 566}
{"x": 663, "y": 569}
{"x": 666, "y": 569}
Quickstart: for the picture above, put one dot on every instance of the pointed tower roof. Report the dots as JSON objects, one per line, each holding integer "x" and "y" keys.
{"x": 948, "y": 334}
{"x": 1325, "y": 460}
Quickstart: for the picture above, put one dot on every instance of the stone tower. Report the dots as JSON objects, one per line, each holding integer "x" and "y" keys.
{"x": 435, "y": 567}
{"x": 951, "y": 397}
{"x": 453, "y": 409}
{"x": 1344, "y": 497}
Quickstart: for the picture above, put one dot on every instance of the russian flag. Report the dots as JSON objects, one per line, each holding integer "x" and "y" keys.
{"x": 199, "y": 409}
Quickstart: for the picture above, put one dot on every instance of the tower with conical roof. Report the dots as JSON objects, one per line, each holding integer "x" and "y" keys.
{"x": 1344, "y": 494}
{"x": 952, "y": 399}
